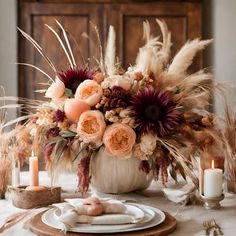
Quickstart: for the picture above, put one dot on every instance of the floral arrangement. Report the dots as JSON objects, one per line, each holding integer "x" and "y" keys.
{"x": 154, "y": 111}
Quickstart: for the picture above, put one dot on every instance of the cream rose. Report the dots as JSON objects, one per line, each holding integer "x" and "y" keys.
{"x": 119, "y": 140}
{"x": 56, "y": 90}
{"x": 138, "y": 153}
{"x": 117, "y": 80}
{"x": 89, "y": 91}
{"x": 148, "y": 144}
{"x": 91, "y": 126}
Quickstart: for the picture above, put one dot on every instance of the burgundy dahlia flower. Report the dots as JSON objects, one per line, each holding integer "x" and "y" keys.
{"x": 74, "y": 76}
{"x": 154, "y": 112}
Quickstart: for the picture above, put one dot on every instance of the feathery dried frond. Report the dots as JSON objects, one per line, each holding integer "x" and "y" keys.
{"x": 61, "y": 43}
{"x": 154, "y": 55}
{"x": 37, "y": 68}
{"x": 147, "y": 60}
{"x": 110, "y": 53}
{"x": 67, "y": 43}
{"x": 195, "y": 88}
{"x": 184, "y": 57}
{"x": 18, "y": 120}
{"x": 5, "y": 169}
{"x": 39, "y": 49}
{"x": 147, "y": 31}
{"x": 198, "y": 80}
{"x": 101, "y": 60}
{"x": 230, "y": 128}
{"x": 164, "y": 53}
{"x": 187, "y": 165}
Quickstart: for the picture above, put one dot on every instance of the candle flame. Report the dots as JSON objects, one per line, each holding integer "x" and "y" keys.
{"x": 32, "y": 154}
{"x": 212, "y": 164}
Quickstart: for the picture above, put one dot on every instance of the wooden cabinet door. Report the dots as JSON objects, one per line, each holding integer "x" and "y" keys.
{"x": 77, "y": 19}
{"x": 182, "y": 18}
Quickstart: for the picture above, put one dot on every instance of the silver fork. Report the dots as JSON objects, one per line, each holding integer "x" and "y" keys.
{"x": 208, "y": 225}
{"x": 217, "y": 227}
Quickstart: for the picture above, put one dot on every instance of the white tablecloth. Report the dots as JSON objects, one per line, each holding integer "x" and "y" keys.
{"x": 189, "y": 218}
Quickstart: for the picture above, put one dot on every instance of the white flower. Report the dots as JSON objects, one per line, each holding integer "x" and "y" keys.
{"x": 148, "y": 144}
{"x": 33, "y": 132}
{"x": 56, "y": 90}
{"x": 117, "y": 80}
{"x": 138, "y": 153}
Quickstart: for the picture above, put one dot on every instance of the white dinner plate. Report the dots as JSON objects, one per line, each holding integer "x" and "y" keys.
{"x": 133, "y": 215}
{"x": 152, "y": 217}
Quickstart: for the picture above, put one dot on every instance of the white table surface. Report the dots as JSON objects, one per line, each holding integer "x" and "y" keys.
{"x": 189, "y": 218}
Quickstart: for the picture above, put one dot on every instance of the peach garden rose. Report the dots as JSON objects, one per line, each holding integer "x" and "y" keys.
{"x": 89, "y": 91}
{"x": 91, "y": 126}
{"x": 119, "y": 140}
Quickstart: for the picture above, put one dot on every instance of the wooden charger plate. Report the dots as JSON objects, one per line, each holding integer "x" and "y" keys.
{"x": 38, "y": 227}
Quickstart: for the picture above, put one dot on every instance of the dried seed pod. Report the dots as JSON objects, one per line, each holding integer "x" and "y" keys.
{"x": 106, "y": 92}
{"x": 138, "y": 76}
{"x": 114, "y": 119}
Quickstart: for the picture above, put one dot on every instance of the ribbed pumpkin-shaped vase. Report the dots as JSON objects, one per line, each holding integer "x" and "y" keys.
{"x": 115, "y": 175}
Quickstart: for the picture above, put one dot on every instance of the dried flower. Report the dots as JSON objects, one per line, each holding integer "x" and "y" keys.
{"x": 53, "y": 132}
{"x": 58, "y": 116}
{"x": 161, "y": 166}
{"x": 47, "y": 151}
{"x": 144, "y": 166}
{"x": 84, "y": 176}
{"x": 148, "y": 143}
{"x": 118, "y": 98}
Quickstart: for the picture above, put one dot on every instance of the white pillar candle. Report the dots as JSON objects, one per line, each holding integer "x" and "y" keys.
{"x": 201, "y": 180}
{"x": 213, "y": 179}
{"x": 15, "y": 174}
{"x": 34, "y": 170}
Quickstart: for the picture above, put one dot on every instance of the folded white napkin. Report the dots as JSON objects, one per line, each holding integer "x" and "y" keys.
{"x": 180, "y": 195}
{"x": 109, "y": 205}
{"x": 68, "y": 214}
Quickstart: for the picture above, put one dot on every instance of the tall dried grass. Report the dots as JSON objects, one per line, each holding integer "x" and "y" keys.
{"x": 5, "y": 170}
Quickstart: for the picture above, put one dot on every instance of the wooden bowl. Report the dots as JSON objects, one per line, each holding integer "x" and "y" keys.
{"x": 27, "y": 199}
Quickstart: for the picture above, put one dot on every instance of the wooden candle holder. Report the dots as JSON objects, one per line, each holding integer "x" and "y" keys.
{"x": 27, "y": 199}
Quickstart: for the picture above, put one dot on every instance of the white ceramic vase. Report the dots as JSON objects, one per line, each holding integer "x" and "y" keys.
{"x": 115, "y": 175}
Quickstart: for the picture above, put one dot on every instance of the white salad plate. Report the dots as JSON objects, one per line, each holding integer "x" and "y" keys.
{"x": 151, "y": 217}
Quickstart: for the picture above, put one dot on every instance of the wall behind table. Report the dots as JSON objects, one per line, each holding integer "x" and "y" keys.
{"x": 8, "y": 48}
{"x": 224, "y": 31}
